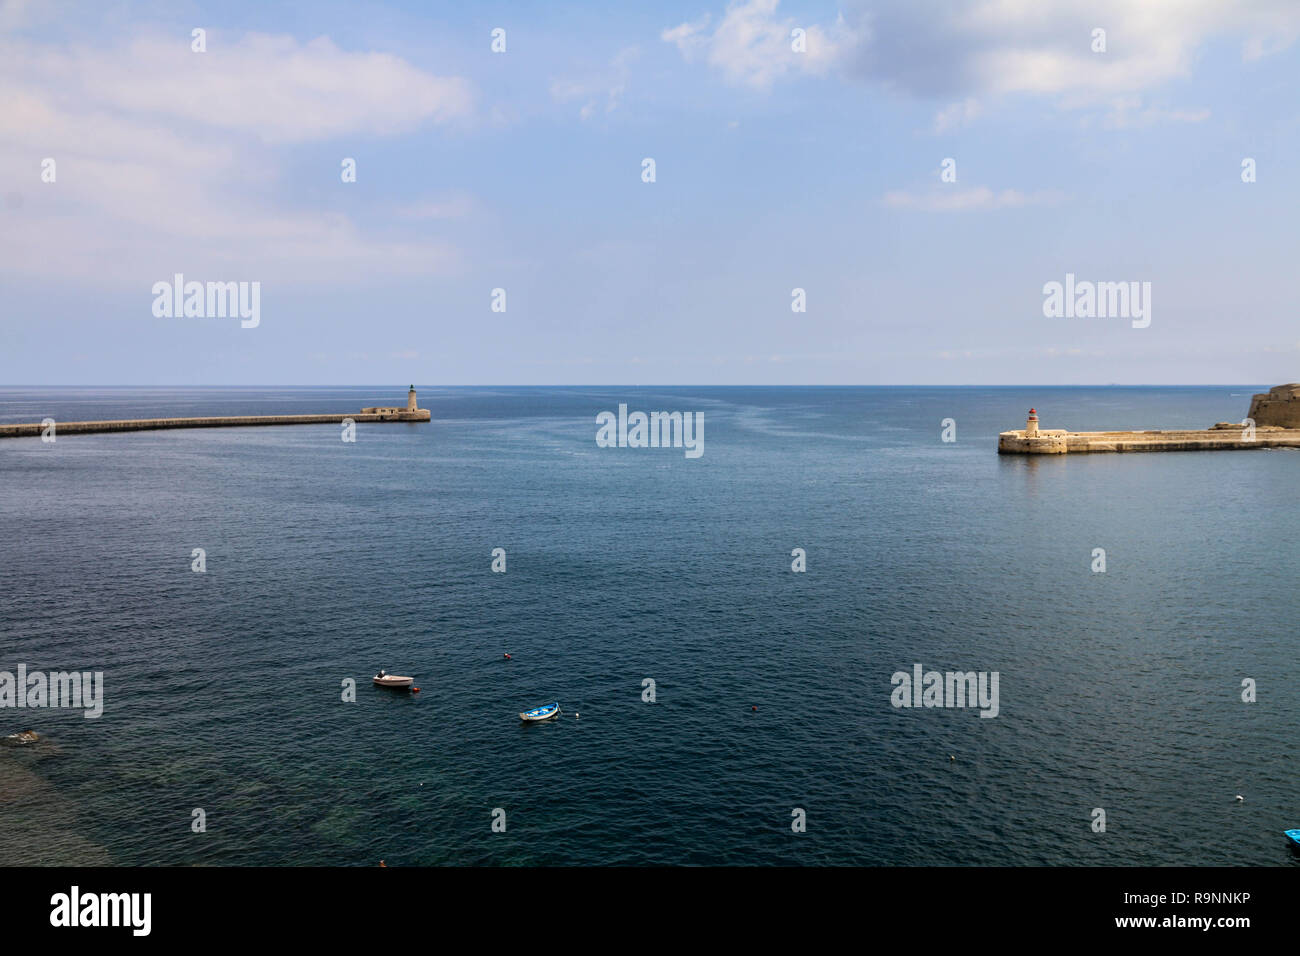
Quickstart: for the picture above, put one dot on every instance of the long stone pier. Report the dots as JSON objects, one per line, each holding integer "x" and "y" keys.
{"x": 396, "y": 413}
{"x": 1056, "y": 442}
{"x": 1225, "y": 436}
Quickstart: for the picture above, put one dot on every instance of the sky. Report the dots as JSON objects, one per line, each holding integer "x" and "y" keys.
{"x": 820, "y": 168}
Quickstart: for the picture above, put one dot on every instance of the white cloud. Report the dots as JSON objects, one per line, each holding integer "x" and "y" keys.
{"x": 270, "y": 86}
{"x": 13, "y": 13}
{"x": 969, "y": 52}
{"x": 1026, "y": 46}
{"x": 752, "y": 47}
{"x": 953, "y": 199}
{"x": 604, "y": 87}
{"x": 957, "y": 115}
{"x": 1127, "y": 112}
{"x": 447, "y": 207}
{"x": 167, "y": 160}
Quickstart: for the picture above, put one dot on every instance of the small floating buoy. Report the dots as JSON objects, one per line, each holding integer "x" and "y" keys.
{"x": 951, "y": 757}
{"x": 508, "y": 657}
{"x": 576, "y": 715}
{"x": 1240, "y": 798}
{"x": 754, "y": 708}
{"x": 415, "y": 690}
{"x": 383, "y": 864}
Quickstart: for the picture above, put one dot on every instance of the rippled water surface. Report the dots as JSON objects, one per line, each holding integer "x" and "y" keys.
{"x": 327, "y": 560}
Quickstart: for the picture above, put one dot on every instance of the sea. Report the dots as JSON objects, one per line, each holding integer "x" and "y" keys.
{"x": 719, "y": 707}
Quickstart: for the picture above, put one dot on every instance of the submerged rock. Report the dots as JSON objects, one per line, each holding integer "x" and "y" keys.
{"x": 21, "y": 739}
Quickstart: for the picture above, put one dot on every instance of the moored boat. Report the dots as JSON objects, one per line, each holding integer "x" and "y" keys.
{"x": 545, "y": 712}
{"x": 392, "y": 681}
{"x": 1294, "y": 837}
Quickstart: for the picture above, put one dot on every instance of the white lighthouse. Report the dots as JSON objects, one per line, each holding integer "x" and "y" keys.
{"x": 410, "y": 400}
{"x": 1031, "y": 425}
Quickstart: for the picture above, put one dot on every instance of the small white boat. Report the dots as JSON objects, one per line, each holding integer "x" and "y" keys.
{"x": 545, "y": 712}
{"x": 385, "y": 679}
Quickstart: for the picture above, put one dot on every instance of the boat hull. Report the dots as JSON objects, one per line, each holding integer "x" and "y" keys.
{"x": 548, "y": 712}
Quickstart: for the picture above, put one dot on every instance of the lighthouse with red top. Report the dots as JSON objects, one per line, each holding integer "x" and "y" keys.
{"x": 1032, "y": 440}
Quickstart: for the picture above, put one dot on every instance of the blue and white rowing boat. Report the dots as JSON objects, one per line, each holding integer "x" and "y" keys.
{"x": 545, "y": 712}
{"x": 1294, "y": 836}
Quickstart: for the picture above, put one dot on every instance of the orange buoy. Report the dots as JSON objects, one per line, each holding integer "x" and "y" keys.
{"x": 415, "y": 690}
{"x": 754, "y": 708}
{"x": 509, "y": 658}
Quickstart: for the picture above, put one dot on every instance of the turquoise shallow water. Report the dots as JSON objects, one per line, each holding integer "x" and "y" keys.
{"x": 328, "y": 560}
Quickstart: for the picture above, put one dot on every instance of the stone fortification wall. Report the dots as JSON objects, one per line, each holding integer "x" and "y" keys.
{"x": 1279, "y": 406}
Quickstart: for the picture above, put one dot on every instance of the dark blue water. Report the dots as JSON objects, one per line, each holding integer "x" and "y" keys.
{"x": 327, "y": 560}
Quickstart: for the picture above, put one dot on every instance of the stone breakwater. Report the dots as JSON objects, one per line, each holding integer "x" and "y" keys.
{"x": 1060, "y": 442}
{"x": 1277, "y": 426}
{"x": 149, "y": 424}
{"x": 411, "y": 412}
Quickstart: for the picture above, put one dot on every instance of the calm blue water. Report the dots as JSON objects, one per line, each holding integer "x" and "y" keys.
{"x": 328, "y": 560}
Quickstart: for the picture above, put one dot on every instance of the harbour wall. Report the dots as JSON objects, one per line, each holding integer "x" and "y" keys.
{"x": 1060, "y": 442}
{"x": 150, "y": 424}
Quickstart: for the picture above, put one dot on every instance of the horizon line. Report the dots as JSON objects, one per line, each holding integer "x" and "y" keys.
{"x": 666, "y": 385}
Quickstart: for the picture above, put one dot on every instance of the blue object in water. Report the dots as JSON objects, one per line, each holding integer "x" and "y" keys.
{"x": 545, "y": 712}
{"x": 1294, "y": 835}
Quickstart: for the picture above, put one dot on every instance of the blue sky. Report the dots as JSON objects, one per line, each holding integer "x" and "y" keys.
{"x": 774, "y": 170}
